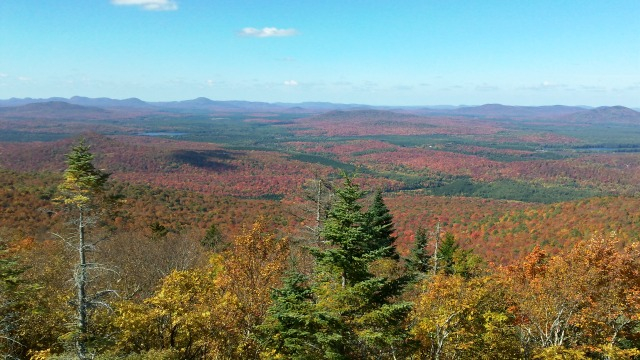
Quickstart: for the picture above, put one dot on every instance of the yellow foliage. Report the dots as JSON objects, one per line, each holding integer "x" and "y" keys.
{"x": 39, "y": 354}
{"x": 446, "y": 312}
{"x": 560, "y": 353}
{"x": 209, "y": 312}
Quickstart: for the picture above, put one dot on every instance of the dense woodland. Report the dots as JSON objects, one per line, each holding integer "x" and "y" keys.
{"x": 344, "y": 235}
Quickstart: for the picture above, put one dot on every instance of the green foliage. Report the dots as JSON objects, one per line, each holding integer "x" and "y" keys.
{"x": 419, "y": 260}
{"x": 323, "y": 160}
{"x": 344, "y": 229}
{"x": 451, "y": 259}
{"x": 213, "y": 238}
{"x": 379, "y": 223}
{"x": 346, "y": 311}
{"x": 82, "y": 181}
{"x": 446, "y": 250}
{"x": 12, "y": 297}
{"x": 158, "y": 230}
{"x": 296, "y": 328}
{"x": 510, "y": 190}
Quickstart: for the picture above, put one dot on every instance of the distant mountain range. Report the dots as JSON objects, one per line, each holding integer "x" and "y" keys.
{"x": 500, "y": 111}
{"x": 79, "y": 108}
{"x": 54, "y": 110}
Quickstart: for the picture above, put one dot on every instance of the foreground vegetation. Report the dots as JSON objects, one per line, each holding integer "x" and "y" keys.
{"x": 340, "y": 292}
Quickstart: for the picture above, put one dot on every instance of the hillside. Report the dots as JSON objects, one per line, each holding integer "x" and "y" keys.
{"x": 54, "y": 110}
{"x": 605, "y": 115}
{"x": 498, "y": 111}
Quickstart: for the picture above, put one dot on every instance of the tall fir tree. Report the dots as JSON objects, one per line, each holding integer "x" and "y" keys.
{"x": 14, "y": 292}
{"x": 344, "y": 230}
{"x": 80, "y": 191}
{"x": 213, "y": 239}
{"x": 380, "y": 226}
{"x": 419, "y": 259}
{"x": 351, "y": 312}
{"x": 446, "y": 252}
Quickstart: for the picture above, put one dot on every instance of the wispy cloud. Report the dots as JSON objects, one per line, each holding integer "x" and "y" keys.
{"x": 486, "y": 87}
{"x": 593, "y": 88}
{"x": 545, "y": 85}
{"x": 267, "y": 32}
{"x": 153, "y": 5}
{"x": 291, "y": 83}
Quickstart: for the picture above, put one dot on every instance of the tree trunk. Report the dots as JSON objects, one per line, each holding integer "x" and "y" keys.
{"x": 81, "y": 283}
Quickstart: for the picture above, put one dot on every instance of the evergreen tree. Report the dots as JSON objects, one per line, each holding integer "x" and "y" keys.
{"x": 158, "y": 231}
{"x": 449, "y": 258}
{"x": 213, "y": 239}
{"x": 295, "y": 328}
{"x": 453, "y": 260}
{"x": 380, "y": 226}
{"x": 344, "y": 230}
{"x": 80, "y": 190}
{"x": 82, "y": 181}
{"x": 13, "y": 293}
{"x": 446, "y": 252}
{"x": 350, "y": 312}
{"x": 419, "y": 260}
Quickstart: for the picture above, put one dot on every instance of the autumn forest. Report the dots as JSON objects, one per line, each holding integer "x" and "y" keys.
{"x": 234, "y": 230}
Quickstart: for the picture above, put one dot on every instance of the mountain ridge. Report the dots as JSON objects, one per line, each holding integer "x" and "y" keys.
{"x": 206, "y": 105}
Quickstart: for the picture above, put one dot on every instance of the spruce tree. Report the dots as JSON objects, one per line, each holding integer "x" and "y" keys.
{"x": 296, "y": 328}
{"x": 418, "y": 259}
{"x": 380, "y": 226}
{"x": 213, "y": 239}
{"x": 446, "y": 253}
{"x": 80, "y": 190}
{"x": 14, "y": 292}
{"x": 350, "y": 312}
{"x": 344, "y": 230}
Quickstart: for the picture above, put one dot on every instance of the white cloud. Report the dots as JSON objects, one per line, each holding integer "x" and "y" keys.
{"x": 267, "y": 32}
{"x": 3, "y": 75}
{"x": 210, "y": 82}
{"x": 154, "y": 5}
{"x": 291, "y": 83}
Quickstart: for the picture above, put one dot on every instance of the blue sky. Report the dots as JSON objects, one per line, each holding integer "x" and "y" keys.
{"x": 384, "y": 52}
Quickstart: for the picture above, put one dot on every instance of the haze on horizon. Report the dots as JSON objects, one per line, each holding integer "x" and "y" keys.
{"x": 412, "y": 52}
